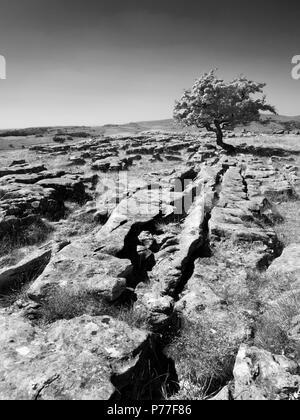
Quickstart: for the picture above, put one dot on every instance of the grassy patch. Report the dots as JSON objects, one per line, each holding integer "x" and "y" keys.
{"x": 273, "y": 326}
{"x": 8, "y": 299}
{"x": 288, "y": 231}
{"x": 173, "y": 228}
{"x": 12, "y": 258}
{"x": 77, "y": 224}
{"x": 204, "y": 355}
{"x": 34, "y": 234}
{"x": 232, "y": 274}
{"x": 255, "y": 282}
{"x": 67, "y": 304}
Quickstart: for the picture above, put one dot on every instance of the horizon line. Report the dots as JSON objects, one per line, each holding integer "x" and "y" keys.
{"x": 113, "y": 124}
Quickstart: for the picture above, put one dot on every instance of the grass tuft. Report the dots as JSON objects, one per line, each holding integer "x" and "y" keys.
{"x": 288, "y": 231}
{"x": 34, "y": 234}
{"x": 204, "y": 356}
{"x": 273, "y": 326}
{"x": 67, "y": 304}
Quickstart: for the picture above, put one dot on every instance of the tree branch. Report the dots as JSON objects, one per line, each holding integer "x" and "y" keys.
{"x": 209, "y": 127}
{"x": 225, "y": 124}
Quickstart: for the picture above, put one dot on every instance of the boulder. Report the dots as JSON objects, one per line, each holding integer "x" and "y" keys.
{"x": 288, "y": 263}
{"x": 156, "y": 308}
{"x": 73, "y": 160}
{"x": 173, "y": 157}
{"x": 101, "y": 158}
{"x": 223, "y": 395}
{"x": 156, "y": 157}
{"x": 260, "y": 375}
{"x": 135, "y": 157}
{"x": 101, "y": 216}
{"x": 18, "y": 162}
{"x": 101, "y": 165}
{"x": 143, "y": 150}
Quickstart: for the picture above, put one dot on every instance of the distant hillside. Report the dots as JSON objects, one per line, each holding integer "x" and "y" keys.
{"x": 268, "y": 124}
{"x": 43, "y": 135}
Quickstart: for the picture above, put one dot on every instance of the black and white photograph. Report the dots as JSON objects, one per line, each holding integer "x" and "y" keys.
{"x": 149, "y": 203}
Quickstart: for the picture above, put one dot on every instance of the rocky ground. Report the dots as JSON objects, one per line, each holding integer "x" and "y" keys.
{"x": 151, "y": 266}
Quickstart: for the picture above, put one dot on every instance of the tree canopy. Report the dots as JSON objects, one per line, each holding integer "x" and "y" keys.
{"x": 214, "y": 104}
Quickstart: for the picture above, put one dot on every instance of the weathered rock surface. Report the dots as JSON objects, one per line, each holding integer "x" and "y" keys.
{"x": 233, "y": 216}
{"x": 12, "y": 278}
{"x": 21, "y": 204}
{"x": 22, "y": 169}
{"x": 287, "y": 263}
{"x": 175, "y": 260}
{"x": 187, "y": 249}
{"x": 67, "y": 188}
{"x": 30, "y": 178}
{"x": 64, "y": 148}
{"x": 119, "y": 236}
{"x": 260, "y": 375}
{"x": 283, "y": 277}
{"x": 94, "y": 358}
{"x": 192, "y": 240}
{"x": 32, "y": 190}
{"x": 80, "y": 267}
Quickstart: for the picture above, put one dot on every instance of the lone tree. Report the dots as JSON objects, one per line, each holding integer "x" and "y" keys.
{"x": 214, "y": 104}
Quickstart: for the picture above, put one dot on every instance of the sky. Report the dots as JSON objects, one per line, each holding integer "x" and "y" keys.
{"x": 94, "y": 62}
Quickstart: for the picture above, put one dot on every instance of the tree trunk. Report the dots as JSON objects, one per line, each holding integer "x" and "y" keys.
{"x": 219, "y": 133}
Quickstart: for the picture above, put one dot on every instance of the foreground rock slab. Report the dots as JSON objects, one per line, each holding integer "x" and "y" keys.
{"x": 71, "y": 360}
